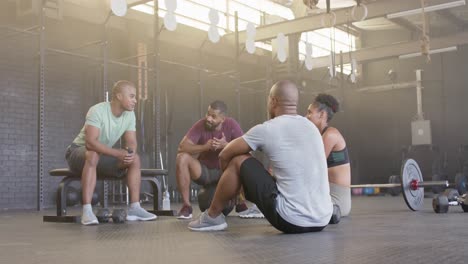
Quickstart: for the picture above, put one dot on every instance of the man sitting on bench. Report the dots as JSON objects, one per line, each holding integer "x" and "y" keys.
{"x": 91, "y": 152}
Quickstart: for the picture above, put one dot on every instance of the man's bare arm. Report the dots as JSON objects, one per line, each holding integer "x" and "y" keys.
{"x": 93, "y": 144}
{"x": 235, "y": 148}
{"x": 131, "y": 143}
{"x": 187, "y": 146}
{"x": 131, "y": 140}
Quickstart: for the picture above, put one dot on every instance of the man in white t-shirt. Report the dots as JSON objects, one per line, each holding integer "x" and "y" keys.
{"x": 295, "y": 198}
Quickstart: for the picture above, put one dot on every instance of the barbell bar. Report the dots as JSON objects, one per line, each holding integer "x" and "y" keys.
{"x": 412, "y": 184}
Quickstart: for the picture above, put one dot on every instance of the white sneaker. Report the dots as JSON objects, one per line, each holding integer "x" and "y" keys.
{"x": 252, "y": 212}
{"x": 89, "y": 218}
{"x": 140, "y": 214}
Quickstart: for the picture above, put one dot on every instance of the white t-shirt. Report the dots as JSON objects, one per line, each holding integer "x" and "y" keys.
{"x": 295, "y": 149}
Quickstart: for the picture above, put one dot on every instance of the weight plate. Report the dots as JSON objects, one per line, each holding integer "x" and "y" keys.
{"x": 440, "y": 204}
{"x": 410, "y": 171}
{"x": 394, "y": 191}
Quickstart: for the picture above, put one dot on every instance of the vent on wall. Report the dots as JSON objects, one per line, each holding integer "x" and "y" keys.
{"x": 53, "y": 8}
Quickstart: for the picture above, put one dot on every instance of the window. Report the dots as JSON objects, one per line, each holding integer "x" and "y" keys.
{"x": 322, "y": 45}
{"x": 194, "y": 13}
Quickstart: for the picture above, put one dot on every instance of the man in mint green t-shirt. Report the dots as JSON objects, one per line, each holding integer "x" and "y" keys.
{"x": 91, "y": 151}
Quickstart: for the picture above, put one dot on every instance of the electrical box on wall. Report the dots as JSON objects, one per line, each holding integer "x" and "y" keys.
{"x": 421, "y": 132}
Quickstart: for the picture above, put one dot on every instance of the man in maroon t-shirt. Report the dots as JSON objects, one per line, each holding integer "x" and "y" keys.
{"x": 197, "y": 157}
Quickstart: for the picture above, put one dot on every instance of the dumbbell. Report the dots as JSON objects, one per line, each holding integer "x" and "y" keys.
{"x": 450, "y": 197}
{"x": 118, "y": 216}
{"x": 73, "y": 196}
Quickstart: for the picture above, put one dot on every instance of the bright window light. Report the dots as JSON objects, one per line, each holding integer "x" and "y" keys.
{"x": 346, "y": 68}
{"x": 317, "y": 51}
{"x": 268, "y": 7}
{"x": 321, "y": 44}
{"x": 189, "y": 8}
{"x": 194, "y": 13}
{"x": 145, "y": 9}
{"x": 180, "y": 19}
{"x": 245, "y": 12}
{"x": 264, "y": 46}
{"x": 219, "y": 5}
{"x": 242, "y": 24}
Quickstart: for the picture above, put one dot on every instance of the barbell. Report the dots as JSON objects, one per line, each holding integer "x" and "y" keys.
{"x": 412, "y": 184}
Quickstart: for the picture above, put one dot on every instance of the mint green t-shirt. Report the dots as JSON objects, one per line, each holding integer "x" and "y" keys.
{"x": 111, "y": 128}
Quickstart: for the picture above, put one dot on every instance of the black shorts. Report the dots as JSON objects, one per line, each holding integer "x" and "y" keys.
{"x": 208, "y": 176}
{"x": 260, "y": 188}
{"x": 108, "y": 166}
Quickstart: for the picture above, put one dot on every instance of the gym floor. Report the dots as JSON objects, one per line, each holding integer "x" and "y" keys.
{"x": 379, "y": 230}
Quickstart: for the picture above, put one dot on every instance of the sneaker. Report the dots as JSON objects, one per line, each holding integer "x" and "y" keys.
{"x": 185, "y": 212}
{"x": 241, "y": 207}
{"x": 139, "y": 213}
{"x": 252, "y": 212}
{"x": 206, "y": 223}
{"x": 336, "y": 216}
{"x": 88, "y": 218}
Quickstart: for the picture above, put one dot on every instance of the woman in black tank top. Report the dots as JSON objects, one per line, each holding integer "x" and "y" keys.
{"x": 320, "y": 112}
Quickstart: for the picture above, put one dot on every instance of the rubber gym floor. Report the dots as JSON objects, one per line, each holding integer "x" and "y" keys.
{"x": 379, "y": 230}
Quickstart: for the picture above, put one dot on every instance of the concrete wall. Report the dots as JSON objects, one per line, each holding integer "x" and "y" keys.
{"x": 381, "y": 122}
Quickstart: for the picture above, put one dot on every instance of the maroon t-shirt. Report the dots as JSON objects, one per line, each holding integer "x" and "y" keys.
{"x": 199, "y": 135}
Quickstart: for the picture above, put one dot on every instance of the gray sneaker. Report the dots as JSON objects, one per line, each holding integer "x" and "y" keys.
{"x": 140, "y": 214}
{"x": 252, "y": 212}
{"x": 88, "y": 218}
{"x": 206, "y": 223}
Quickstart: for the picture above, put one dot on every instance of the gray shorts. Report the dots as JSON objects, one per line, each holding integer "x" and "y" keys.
{"x": 208, "y": 176}
{"x": 108, "y": 166}
{"x": 341, "y": 195}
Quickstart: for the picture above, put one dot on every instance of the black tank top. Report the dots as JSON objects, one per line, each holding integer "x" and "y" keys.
{"x": 337, "y": 158}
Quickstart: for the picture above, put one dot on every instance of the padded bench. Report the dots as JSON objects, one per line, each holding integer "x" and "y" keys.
{"x": 149, "y": 175}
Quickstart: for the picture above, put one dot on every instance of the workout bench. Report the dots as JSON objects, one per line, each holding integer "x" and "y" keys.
{"x": 146, "y": 175}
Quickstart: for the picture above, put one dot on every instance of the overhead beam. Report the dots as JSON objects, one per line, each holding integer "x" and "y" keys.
{"x": 452, "y": 18}
{"x": 404, "y": 23}
{"x": 351, "y": 26}
{"x": 388, "y": 87}
{"x": 394, "y": 50}
{"x": 351, "y": 31}
{"x": 314, "y": 22}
